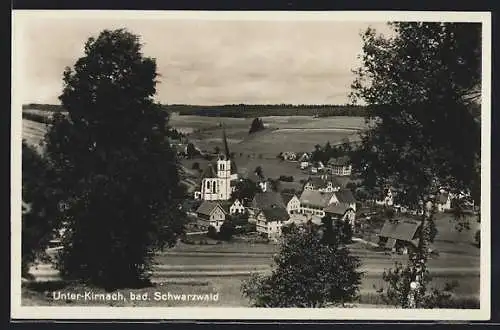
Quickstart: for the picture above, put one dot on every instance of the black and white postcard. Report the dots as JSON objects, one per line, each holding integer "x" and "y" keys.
{"x": 251, "y": 165}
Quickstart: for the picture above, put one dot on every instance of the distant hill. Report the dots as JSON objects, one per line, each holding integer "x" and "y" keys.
{"x": 263, "y": 110}
{"x": 243, "y": 110}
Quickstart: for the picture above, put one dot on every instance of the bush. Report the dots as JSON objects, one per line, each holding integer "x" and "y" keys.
{"x": 257, "y": 125}
{"x": 212, "y": 232}
{"x": 286, "y": 178}
{"x": 227, "y": 231}
{"x": 303, "y": 284}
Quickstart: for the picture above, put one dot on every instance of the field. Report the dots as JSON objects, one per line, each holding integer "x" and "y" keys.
{"x": 293, "y": 133}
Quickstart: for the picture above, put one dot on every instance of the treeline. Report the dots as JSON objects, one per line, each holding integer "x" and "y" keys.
{"x": 245, "y": 110}
{"x": 37, "y": 117}
{"x": 262, "y": 110}
{"x": 43, "y": 107}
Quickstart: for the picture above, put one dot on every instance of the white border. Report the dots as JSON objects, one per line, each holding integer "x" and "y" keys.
{"x": 207, "y": 313}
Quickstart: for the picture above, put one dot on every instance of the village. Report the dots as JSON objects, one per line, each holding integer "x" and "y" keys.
{"x": 272, "y": 204}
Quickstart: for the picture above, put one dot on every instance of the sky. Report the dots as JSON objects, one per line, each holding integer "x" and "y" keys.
{"x": 207, "y": 62}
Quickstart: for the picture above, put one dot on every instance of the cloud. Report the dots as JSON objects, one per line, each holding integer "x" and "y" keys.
{"x": 210, "y": 62}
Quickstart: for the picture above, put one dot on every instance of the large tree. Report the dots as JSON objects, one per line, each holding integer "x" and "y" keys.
{"x": 114, "y": 163}
{"x": 39, "y": 220}
{"x": 311, "y": 269}
{"x": 245, "y": 191}
{"x": 422, "y": 87}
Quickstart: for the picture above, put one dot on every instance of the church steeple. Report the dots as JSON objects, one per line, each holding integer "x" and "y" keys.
{"x": 224, "y": 140}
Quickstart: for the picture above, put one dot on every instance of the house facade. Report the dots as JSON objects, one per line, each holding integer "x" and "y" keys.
{"x": 236, "y": 207}
{"x": 292, "y": 203}
{"x": 343, "y": 212}
{"x": 289, "y": 155}
{"x": 443, "y": 201}
{"x": 340, "y": 166}
{"x": 210, "y": 213}
{"x": 322, "y": 183}
{"x": 270, "y": 222}
{"x": 262, "y": 201}
{"x": 314, "y": 202}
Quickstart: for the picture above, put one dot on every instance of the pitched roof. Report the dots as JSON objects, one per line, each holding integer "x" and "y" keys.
{"x": 267, "y": 199}
{"x": 320, "y": 181}
{"x": 345, "y": 196}
{"x": 340, "y": 161}
{"x": 207, "y": 207}
{"x": 402, "y": 229}
{"x": 338, "y": 208}
{"x": 276, "y": 214}
{"x": 286, "y": 197}
{"x": 315, "y": 198}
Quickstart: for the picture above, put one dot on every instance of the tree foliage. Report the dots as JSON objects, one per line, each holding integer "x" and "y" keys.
{"x": 257, "y": 125}
{"x": 245, "y": 191}
{"x": 307, "y": 272}
{"x": 422, "y": 87}
{"x": 226, "y": 231}
{"x": 114, "y": 163}
{"x": 40, "y": 207}
{"x": 336, "y": 231}
{"x": 191, "y": 150}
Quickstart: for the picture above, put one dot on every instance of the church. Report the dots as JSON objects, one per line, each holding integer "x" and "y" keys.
{"x": 219, "y": 178}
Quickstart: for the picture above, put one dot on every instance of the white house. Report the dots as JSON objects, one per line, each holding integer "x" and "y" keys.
{"x": 236, "y": 207}
{"x": 323, "y": 183}
{"x": 271, "y": 220}
{"x": 443, "y": 201}
{"x": 314, "y": 202}
{"x": 305, "y": 157}
{"x": 386, "y": 198}
{"x": 340, "y": 166}
{"x": 289, "y": 155}
{"x": 304, "y": 165}
{"x": 292, "y": 203}
{"x": 211, "y": 214}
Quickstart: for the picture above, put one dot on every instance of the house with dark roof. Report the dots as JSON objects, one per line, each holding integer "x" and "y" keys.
{"x": 323, "y": 183}
{"x": 345, "y": 196}
{"x": 292, "y": 202}
{"x": 264, "y": 200}
{"x": 342, "y": 211}
{"x": 400, "y": 233}
{"x": 270, "y": 220}
{"x": 340, "y": 166}
{"x": 211, "y": 213}
{"x": 315, "y": 201}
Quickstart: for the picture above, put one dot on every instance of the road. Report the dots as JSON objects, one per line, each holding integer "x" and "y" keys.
{"x": 184, "y": 265}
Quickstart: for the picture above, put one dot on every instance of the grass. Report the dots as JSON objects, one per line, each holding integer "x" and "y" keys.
{"x": 228, "y": 290}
